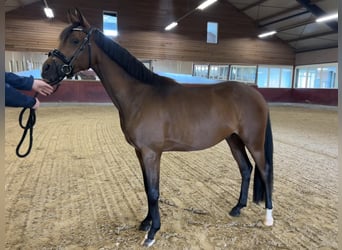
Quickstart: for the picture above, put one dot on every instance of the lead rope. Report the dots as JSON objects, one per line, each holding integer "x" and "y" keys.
{"x": 29, "y": 127}
{"x": 31, "y": 121}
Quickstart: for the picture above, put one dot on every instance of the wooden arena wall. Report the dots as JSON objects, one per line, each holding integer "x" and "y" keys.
{"x": 93, "y": 91}
{"x": 141, "y": 30}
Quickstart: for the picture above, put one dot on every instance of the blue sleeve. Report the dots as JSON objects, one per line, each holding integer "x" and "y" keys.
{"x": 19, "y": 82}
{"x": 14, "y": 98}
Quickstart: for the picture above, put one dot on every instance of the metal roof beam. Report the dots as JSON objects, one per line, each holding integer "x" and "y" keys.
{"x": 253, "y": 5}
{"x": 316, "y": 48}
{"x": 310, "y": 36}
{"x": 289, "y": 27}
{"x": 284, "y": 18}
{"x": 317, "y": 11}
{"x": 283, "y": 12}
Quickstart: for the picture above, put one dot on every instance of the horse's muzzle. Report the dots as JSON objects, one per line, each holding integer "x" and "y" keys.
{"x": 53, "y": 73}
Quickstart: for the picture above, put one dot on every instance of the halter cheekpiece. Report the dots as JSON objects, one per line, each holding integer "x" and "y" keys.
{"x": 67, "y": 67}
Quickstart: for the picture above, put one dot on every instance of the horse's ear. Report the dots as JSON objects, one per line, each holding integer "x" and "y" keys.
{"x": 75, "y": 16}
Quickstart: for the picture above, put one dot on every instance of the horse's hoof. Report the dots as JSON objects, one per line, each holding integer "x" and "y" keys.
{"x": 147, "y": 242}
{"x": 235, "y": 212}
{"x": 268, "y": 223}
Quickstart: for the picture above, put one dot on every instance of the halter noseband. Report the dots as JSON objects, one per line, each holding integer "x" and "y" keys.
{"x": 67, "y": 67}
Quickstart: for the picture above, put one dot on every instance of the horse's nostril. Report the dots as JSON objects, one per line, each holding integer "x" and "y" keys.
{"x": 46, "y": 67}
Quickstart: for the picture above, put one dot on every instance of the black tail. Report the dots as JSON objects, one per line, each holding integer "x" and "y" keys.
{"x": 259, "y": 185}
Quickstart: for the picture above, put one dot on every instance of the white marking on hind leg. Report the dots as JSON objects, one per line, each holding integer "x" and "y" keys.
{"x": 268, "y": 218}
{"x": 147, "y": 242}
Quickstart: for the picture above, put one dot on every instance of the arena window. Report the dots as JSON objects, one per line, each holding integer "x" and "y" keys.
{"x": 243, "y": 73}
{"x": 200, "y": 70}
{"x": 316, "y": 76}
{"x": 110, "y": 23}
{"x": 273, "y": 76}
{"x": 212, "y": 32}
{"x": 218, "y": 72}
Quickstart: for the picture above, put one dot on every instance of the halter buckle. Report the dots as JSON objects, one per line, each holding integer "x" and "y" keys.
{"x": 66, "y": 69}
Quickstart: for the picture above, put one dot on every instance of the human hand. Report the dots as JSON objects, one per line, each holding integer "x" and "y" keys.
{"x": 37, "y": 104}
{"x": 42, "y": 87}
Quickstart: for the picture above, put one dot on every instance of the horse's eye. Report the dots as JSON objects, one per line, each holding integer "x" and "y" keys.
{"x": 75, "y": 41}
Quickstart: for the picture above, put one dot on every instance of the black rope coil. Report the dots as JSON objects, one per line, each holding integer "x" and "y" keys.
{"x": 31, "y": 121}
{"x": 28, "y": 127}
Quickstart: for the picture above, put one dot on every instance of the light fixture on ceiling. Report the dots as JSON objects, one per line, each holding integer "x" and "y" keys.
{"x": 267, "y": 34}
{"x": 327, "y": 18}
{"x": 171, "y": 26}
{"x": 205, "y": 4}
{"x": 200, "y": 7}
{"x": 48, "y": 11}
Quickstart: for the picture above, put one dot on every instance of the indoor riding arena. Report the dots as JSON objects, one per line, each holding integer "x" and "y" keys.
{"x": 88, "y": 183}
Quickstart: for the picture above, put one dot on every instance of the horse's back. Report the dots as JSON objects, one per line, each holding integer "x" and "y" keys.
{"x": 186, "y": 113}
{"x": 233, "y": 96}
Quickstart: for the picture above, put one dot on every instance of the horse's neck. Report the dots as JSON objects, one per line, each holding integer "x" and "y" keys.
{"x": 118, "y": 84}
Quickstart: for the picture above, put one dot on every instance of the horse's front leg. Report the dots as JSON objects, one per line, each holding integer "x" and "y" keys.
{"x": 150, "y": 165}
{"x": 146, "y": 223}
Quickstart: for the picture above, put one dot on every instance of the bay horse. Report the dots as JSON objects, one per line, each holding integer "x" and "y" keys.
{"x": 157, "y": 114}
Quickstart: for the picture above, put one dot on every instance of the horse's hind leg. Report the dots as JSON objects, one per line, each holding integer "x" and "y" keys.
{"x": 239, "y": 153}
{"x": 263, "y": 181}
{"x": 150, "y": 165}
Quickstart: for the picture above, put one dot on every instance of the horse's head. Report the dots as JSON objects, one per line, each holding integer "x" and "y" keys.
{"x": 74, "y": 50}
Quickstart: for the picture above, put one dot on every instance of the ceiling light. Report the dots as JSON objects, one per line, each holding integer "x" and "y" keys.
{"x": 327, "y": 18}
{"x": 171, "y": 26}
{"x": 206, "y": 4}
{"x": 48, "y": 11}
{"x": 267, "y": 34}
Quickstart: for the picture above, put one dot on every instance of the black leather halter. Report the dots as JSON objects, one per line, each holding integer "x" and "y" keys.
{"x": 67, "y": 67}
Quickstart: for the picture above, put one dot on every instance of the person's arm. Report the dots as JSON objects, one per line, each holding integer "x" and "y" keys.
{"x": 14, "y": 98}
{"x": 19, "y": 82}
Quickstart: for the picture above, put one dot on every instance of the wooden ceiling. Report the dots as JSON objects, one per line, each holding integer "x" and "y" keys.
{"x": 15, "y": 4}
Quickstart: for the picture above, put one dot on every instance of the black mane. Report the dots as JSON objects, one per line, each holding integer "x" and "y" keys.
{"x": 126, "y": 60}
{"x": 122, "y": 57}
